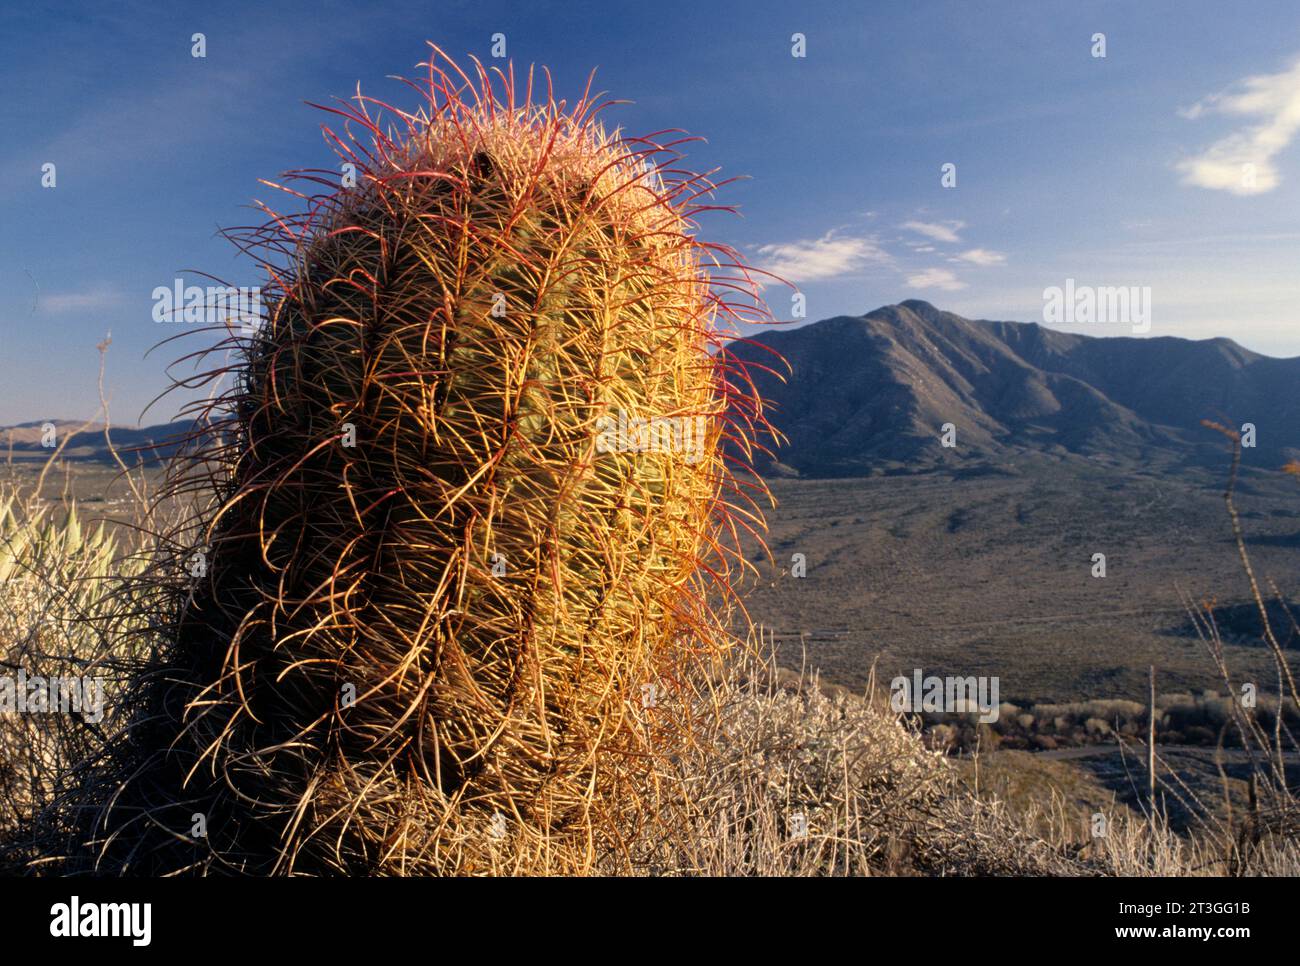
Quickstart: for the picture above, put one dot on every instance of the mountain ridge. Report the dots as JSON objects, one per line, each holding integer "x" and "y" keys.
{"x": 870, "y": 394}
{"x": 86, "y": 441}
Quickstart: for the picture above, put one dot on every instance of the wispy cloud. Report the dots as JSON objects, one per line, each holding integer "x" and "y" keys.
{"x": 78, "y": 301}
{"x": 982, "y": 257}
{"x": 830, "y": 256}
{"x": 941, "y": 231}
{"x": 940, "y": 278}
{"x": 1242, "y": 162}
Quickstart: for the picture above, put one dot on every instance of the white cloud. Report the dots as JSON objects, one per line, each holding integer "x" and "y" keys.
{"x": 830, "y": 256}
{"x": 78, "y": 301}
{"x": 941, "y": 231}
{"x": 1242, "y": 162}
{"x": 982, "y": 257}
{"x": 939, "y": 278}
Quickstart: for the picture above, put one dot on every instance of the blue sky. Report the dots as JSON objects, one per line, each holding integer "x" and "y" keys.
{"x": 1127, "y": 170}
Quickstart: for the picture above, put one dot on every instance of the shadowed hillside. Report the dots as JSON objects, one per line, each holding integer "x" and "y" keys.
{"x": 869, "y": 394}
{"x": 148, "y": 444}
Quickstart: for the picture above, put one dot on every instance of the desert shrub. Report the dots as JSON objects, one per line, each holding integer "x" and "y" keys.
{"x": 1097, "y": 727}
{"x": 789, "y": 780}
{"x": 66, "y": 648}
{"x": 941, "y": 737}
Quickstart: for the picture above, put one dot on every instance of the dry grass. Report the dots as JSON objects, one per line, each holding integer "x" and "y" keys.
{"x": 793, "y": 780}
{"x": 768, "y": 746}
{"x": 781, "y": 776}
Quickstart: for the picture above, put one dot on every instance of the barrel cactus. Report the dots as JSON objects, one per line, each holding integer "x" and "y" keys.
{"x": 480, "y": 474}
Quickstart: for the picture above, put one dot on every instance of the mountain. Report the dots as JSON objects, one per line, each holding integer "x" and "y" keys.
{"x": 870, "y": 394}
{"x": 87, "y": 442}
